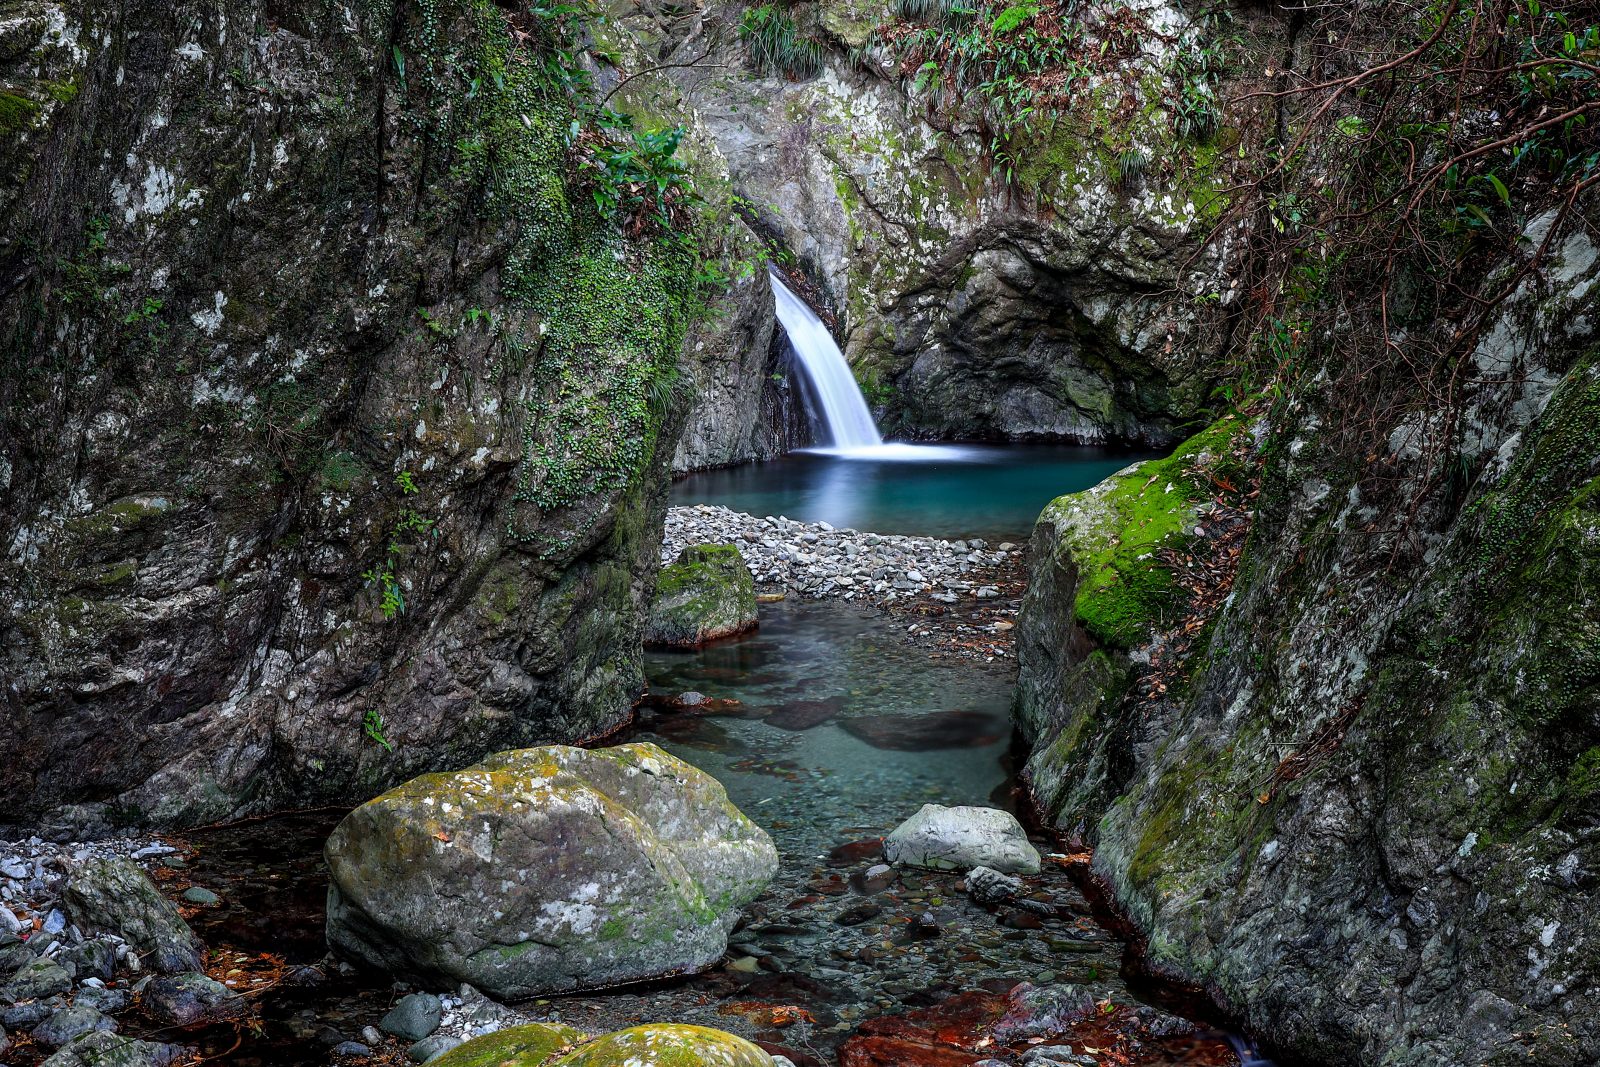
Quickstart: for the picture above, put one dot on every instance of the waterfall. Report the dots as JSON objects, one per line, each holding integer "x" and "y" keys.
{"x": 844, "y": 409}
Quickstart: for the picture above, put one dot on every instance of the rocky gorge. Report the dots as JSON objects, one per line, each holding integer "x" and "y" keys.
{"x": 373, "y": 692}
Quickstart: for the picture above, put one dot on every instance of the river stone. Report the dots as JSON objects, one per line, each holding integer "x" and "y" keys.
{"x": 182, "y": 999}
{"x": 102, "y": 1048}
{"x": 69, "y": 1024}
{"x": 414, "y": 1017}
{"x": 114, "y": 895}
{"x": 708, "y": 594}
{"x": 960, "y": 838}
{"x": 431, "y": 1048}
{"x": 40, "y": 978}
{"x": 516, "y": 1046}
{"x": 546, "y": 869}
{"x": 666, "y": 1045}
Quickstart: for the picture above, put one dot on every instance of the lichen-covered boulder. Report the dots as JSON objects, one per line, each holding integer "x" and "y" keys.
{"x": 961, "y": 838}
{"x": 546, "y": 869}
{"x": 667, "y": 1045}
{"x": 112, "y": 894}
{"x": 515, "y": 1046}
{"x": 708, "y": 594}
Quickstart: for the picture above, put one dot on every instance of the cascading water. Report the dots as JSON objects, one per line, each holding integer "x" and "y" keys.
{"x": 844, "y": 409}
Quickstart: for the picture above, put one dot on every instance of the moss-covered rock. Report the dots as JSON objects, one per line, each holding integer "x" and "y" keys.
{"x": 667, "y": 1045}
{"x": 533, "y": 1045}
{"x": 1099, "y": 589}
{"x": 707, "y": 595}
{"x": 546, "y": 869}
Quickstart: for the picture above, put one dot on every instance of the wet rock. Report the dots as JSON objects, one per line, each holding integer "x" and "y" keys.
{"x": 182, "y": 999}
{"x": 14, "y": 954}
{"x": 855, "y": 851}
{"x": 607, "y": 866}
{"x": 929, "y": 732}
{"x": 874, "y": 879}
{"x": 707, "y": 595}
{"x": 429, "y": 1049}
{"x": 69, "y": 1024}
{"x": 113, "y": 894}
{"x": 31, "y": 1013}
{"x": 94, "y": 958}
{"x": 351, "y": 1048}
{"x": 37, "y": 979}
{"x": 1042, "y": 1012}
{"x": 413, "y": 1017}
{"x": 959, "y": 838}
{"x": 202, "y": 896}
{"x": 106, "y": 1049}
{"x": 989, "y": 887}
{"x": 800, "y": 715}
{"x": 692, "y": 699}
{"x": 102, "y": 999}
{"x": 858, "y": 914}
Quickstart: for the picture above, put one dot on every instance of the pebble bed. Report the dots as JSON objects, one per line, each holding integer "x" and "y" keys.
{"x": 814, "y": 559}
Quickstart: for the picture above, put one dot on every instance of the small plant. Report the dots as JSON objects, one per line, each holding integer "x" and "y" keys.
{"x": 775, "y": 45}
{"x": 640, "y": 179}
{"x": 372, "y": 727}
{"x": 1131, "y": 165}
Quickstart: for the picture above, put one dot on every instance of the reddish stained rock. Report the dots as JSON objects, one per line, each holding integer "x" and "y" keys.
{"x": 963, "y": 1021}
{"x": 893, "y": 1052}
{"x": 855, "y": 851}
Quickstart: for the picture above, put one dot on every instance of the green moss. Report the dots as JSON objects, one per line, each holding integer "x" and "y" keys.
{"x": 17, "y": 113}
{"x": 667, "y": 1045}
{"x": 1115, "y": 531}
{"x": 1583, "y": 779}
{"x": 516, "y": 1046}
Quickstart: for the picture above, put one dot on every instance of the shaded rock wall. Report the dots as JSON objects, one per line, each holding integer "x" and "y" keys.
{"x": 969, "y": 306}
{"x": 335, "y": 423}
{"x": 1365, "y": 812}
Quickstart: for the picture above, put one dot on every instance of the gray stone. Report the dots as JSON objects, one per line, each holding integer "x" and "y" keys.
{"x": 69, "y": 1024}
{"x": 990, "y": 887}
{"x": 182, "y": 999}
{"x": 200, "y": 895}
{"x": 30, "y": 1013}
{"x": 351, "y": 1048}
{"x": 102, "y": 1048}
{"x": 609, "y": 866}
{"x": 957, "y": 838}
{"x": 432, "y": 1048}
{"x": 94, "y": 958}
{"x": 102, "y": 998}
{"x": 40, "y": 978}
{"x": 414, "y": 1017}
{"x": 114, "y": 895}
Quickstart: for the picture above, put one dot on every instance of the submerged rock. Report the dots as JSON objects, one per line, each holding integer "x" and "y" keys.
{"x": 949, "y": 839}
{"x": 546, "y": 869}
{"x": 707, "y": 595}
{"x": 114, "y": 895}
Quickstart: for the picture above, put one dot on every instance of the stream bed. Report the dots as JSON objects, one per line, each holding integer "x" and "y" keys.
{"x": 828, "y": 729}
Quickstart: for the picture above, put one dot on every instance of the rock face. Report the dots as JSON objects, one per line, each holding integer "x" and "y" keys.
{"x": 546, "y": 869}
{"x": 969, "y": 305}
{"x": 960, "y": 838}
{"x": 114, "y": 895}
{"x": 1363, "y": 806}
{"x": 707, "y": 595}
{"x": 334, "y": 420}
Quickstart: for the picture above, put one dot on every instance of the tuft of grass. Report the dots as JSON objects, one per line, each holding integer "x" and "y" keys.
{"x": 775, "y": 45}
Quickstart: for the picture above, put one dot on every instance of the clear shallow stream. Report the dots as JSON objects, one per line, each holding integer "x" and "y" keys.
{"x": 989, "y": 491}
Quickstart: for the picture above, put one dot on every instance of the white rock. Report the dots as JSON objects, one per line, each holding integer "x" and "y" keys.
{"x": 961, "y": 838}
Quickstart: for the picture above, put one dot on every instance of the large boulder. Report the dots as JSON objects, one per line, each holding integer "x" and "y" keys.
{"x": 707, "y": 595}
{"x": 112, "y": 894}
{"x": 102, "y": 1048}
{"x": 546, "y": 869}
{"x": 651, "y": 1045}
{"x": 960, "y": 838}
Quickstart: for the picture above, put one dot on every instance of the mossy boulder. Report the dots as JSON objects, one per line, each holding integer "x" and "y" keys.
{"x": 517, "y": 1046}
{"x": 546, "y": 869}
{"x": 667, "y": 1045}
{"x": 707, "y": 595}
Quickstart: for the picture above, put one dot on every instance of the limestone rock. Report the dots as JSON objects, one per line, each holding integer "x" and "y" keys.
{"x": 546, "y": 869}
{"x": 708, "y": 594}
{"x": 113, "y": 894}
{"x": 959, "y": 838}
